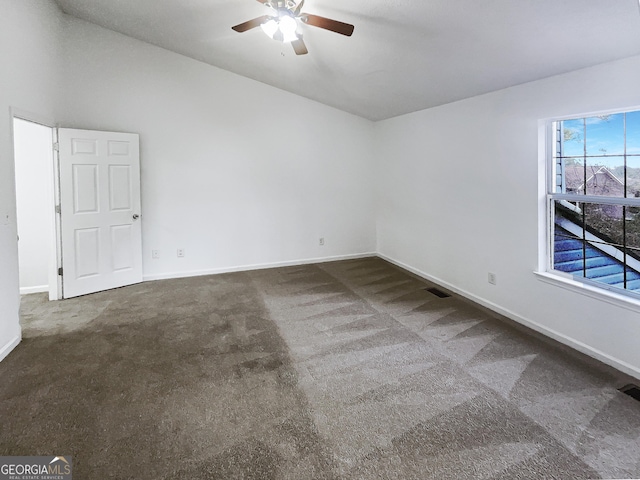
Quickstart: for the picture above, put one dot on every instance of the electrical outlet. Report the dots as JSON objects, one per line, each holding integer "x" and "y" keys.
{"x": 321, "y": 242}
{"x": 155, "y": 254}
{"x": 492, "y": 278}
{"x": 180, "y": 252}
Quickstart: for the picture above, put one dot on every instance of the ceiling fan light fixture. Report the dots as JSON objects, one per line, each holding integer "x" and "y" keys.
{"x": 282, "y": 25}
{"x": 270, "y": 28}
{"x": 288, "y": 27}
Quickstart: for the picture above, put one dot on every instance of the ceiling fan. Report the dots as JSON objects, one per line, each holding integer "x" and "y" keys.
{"x": 282, "y": 24}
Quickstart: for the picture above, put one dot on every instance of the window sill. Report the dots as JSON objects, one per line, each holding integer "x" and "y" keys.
{"x": 593, "y": 292}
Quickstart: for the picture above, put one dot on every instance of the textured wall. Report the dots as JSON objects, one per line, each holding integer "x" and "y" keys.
{"x": 235, "y": 172}
{"x": 459, "y": 195}
{"x": 29, "y": 42}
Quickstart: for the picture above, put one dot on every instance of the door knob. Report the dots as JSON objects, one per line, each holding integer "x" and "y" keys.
{"x": 136, "y": 216}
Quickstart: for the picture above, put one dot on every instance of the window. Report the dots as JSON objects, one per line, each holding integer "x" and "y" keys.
{"x": 594, "y": 200}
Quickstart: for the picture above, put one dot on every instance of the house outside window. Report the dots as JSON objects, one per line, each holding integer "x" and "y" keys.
{"x": 594, "y": 200}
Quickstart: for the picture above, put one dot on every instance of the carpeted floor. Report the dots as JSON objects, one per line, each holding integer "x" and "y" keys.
{"x": 339, "y": 370}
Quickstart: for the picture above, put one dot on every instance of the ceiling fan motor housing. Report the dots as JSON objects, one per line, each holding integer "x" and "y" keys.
{"x": 280, "y": 4}
{"x": 284, "y": 26}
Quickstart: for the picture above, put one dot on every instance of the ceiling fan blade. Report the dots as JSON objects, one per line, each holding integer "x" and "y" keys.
{"x": 296, "y": 11}
{"x": 256, "y": 22}
{"x": 327, "y": 24}
{"x": 299, "y": 47}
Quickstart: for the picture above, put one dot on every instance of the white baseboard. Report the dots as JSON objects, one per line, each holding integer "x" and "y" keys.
{"x": 560, "y": 337}
{"x": 28, "y": 290}
{"x": 260, "y": 266}
{"x": 6, "y": 350}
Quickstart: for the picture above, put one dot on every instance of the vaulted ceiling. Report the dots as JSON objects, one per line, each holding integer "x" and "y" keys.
{"x": 405, "y": 55}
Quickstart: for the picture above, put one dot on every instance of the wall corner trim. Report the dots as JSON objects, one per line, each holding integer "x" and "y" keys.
{"x": 6, "y": 350}
{"x": 559, "y": 337}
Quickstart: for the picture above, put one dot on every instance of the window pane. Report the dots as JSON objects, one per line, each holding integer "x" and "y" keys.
{"x": 605, "y": 135}
{"x": 605, "y": 176}
{"x": 633, "y": 148}
{"x": 633, "y": 133}
{"x": 604, "y": 222}
{"x": 633, "y": 275}
{"x": 633, "y": 177}
{"x": 598, "y": 252}
{"x": 604, "y": 234}
{"x": 632, "y": 225}
{"x": 568, "y": 250}
{"x": 573, "y": 169}
{"x": 572, "y": 137}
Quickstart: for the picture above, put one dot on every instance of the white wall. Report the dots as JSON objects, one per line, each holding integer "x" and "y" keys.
{"x": 239, "y": 173}
{"x": 458, "y": 195}
{"x": 34, "y": 203}
{"x": 235, "y": 172}
{"x": 29, "y": 39}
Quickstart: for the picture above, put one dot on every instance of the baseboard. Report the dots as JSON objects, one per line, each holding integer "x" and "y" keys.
{"x": 28, "y": 290}
{"x": 548, "y": 332}
{"x": 260, "y": 266}
{"x": 6, "y": 350}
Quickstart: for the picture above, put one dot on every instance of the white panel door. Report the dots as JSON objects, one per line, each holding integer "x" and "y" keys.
{"x": 100, "y": 210}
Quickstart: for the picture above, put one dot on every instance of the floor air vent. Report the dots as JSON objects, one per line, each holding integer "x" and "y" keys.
{"x": 632, "y": 391}
{"x": 437, "y": 293}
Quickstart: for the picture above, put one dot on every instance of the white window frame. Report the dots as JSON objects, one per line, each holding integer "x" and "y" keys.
{"x": 545, "y": 272}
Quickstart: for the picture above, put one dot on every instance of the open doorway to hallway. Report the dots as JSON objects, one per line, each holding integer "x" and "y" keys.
{"x": 35, "y": 207}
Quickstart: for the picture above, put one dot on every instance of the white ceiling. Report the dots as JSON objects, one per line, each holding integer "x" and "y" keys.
{"x": 405, "y": 55}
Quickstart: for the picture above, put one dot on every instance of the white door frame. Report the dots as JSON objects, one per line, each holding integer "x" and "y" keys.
{"x": 55, "y": 281}
{"x": 55, "y": 241}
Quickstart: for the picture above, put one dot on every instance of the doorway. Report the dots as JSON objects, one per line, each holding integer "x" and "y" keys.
{"x": 77, "y": 208}
{"x": 35, "y": 207}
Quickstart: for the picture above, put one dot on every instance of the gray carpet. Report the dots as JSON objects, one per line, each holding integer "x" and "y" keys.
{"x": 339, "y": 370}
